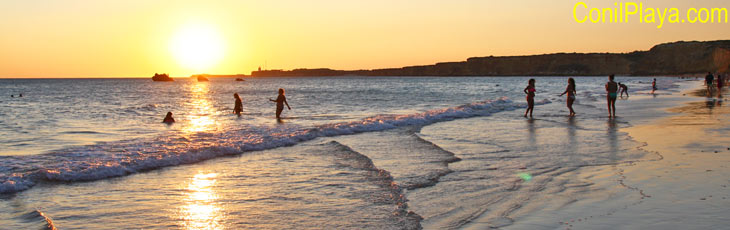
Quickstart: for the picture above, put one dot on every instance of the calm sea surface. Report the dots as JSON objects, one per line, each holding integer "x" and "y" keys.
{"x": 354, "y": 152}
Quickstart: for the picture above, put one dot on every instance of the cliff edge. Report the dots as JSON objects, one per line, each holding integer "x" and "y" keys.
{"x": 674, "y": 58}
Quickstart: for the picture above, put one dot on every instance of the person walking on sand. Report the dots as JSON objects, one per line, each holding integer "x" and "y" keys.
{"x": 530, "y": 91}
{"x": 238, "y": 107}
{"x": 570, "y": 90}
{"x": 280, "y": 101}
{"x": 611, "y": 89}
{"x": 708, "y": 82}
{"x": 624, "y": 89}
{"x": 653, "y": 86}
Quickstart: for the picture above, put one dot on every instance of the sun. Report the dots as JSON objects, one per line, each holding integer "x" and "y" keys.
{"x": 197, "y": 47}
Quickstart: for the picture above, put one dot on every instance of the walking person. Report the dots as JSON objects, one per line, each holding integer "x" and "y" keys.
{"x": 238, "y": 107}
{"x": 720, "y": 84}
{"x": 570, "y": 90}
{"x": 708, "y": 82}
{"x": 280, "y": 101}
{"x": 611, "y": 89}
{"x": 653, "y": 86}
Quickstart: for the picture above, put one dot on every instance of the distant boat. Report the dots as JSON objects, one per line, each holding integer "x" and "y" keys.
{"x": 202, "y": 78}
{"x": 162, "y": 77}
{"x": 240, "y": 79}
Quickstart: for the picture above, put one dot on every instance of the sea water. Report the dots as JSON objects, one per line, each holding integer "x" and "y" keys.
{"x": 354, "y": 152}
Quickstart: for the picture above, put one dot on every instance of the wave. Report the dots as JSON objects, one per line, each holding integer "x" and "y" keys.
{"x": 113, "y": 159}
{"x": 382, "y": 178}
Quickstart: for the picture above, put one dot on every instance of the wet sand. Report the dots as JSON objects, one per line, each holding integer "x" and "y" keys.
{"x": 687, "y": 187}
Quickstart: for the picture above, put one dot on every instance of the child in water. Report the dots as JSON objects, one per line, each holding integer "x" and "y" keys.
{"x": 570, "y": 90}
{"x": 280, "y": 101}
{"x": 530, "y": 91}
{"x": 168, "y": 119}
{"x": 611, "y": 89}
{"x": 624, "y": 89}
{"x": 238, "y": 106}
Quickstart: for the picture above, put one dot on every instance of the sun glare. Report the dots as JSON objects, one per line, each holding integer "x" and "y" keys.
{"x": 197, "y": 47}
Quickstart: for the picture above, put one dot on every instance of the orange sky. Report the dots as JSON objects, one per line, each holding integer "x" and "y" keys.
{"x": 133, "y": 38}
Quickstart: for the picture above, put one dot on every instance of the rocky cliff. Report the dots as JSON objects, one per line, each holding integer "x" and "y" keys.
{"x": 665, "y": 59}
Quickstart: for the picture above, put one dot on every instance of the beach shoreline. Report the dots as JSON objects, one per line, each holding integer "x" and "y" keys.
{"x": 686, "y": 188}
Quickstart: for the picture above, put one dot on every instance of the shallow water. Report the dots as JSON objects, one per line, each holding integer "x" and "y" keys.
{"x": 449, "y": 150}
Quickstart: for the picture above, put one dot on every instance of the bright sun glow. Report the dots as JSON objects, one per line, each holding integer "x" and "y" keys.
{"x": 197, "y": 47}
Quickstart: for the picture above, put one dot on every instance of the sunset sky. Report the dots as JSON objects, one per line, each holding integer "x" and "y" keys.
{"x": 136, "y": 38}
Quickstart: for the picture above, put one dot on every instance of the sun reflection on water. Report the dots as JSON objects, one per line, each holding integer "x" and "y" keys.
{"x": 201, "y": 210}
{"x": 200, "y": 109}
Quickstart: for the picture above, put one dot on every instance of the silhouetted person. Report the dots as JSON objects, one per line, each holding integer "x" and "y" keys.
{"x": 280, "y": 101}
{"x": 570, "y": 90}
{"x": 530, "y": 91}
{"x": 611, "y": 89}
{"x": 624, "y": 89}
{"x": 708, "y": 82}
{"x": 720, "y": 82}
{"x": 21, "y": 95}
{"x": 238, "y": 107}
{"x": 653, "y": 86}
{"x": 11, "y": 95}
{"x": 168, "y": 119}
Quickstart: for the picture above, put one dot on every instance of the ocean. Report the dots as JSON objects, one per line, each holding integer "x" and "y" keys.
{"x": 352, "y": 153}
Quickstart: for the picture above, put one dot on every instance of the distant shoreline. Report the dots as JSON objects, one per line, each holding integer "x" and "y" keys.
{"x": 668, "y": 59}
{"x": 677, "y": 58}
{"x": 343, "y": 76}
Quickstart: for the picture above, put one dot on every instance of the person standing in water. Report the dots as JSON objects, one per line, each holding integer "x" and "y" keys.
{"x": 611, "y": 89}
{"x": 653, "y": 86}
{"x": 708, "y": 82}
{"x": 530, "y": 91}
{"x": 168, "y": 118}
{"x": 238, "y": 107}
{"x": 624, "y": 89}
{"x": 720, "y": 84}
{"x": 570, "y": 90}
{"x": 280, "y": 101}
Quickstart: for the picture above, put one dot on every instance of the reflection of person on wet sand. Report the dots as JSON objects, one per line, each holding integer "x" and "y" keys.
{"x": 168, "y": 119}
{"x": 530, "y": 91}
{"x": 570, "y": 90}
{"x": 280, "y": 101}
{"x": 611, "y": 89}
{"x": 624, "y": 89}
{"x": 238, "y": 105}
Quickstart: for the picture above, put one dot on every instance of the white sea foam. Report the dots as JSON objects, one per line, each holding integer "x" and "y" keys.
{"x": 121, "y": 158}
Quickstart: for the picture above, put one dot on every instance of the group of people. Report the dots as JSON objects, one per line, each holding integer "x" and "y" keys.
{"x": 238, "y": 106}
{"x": 710, "y": 82}
{"x": 612, "y": 89}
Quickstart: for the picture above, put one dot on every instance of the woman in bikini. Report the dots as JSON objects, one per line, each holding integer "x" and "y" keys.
{"x": 570, "y": 90}
{"x": 280, "y": 101}
{"x": 530, "y": 91}
{"x": 238, "y": 105}
{"x": 611, "y": 89}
